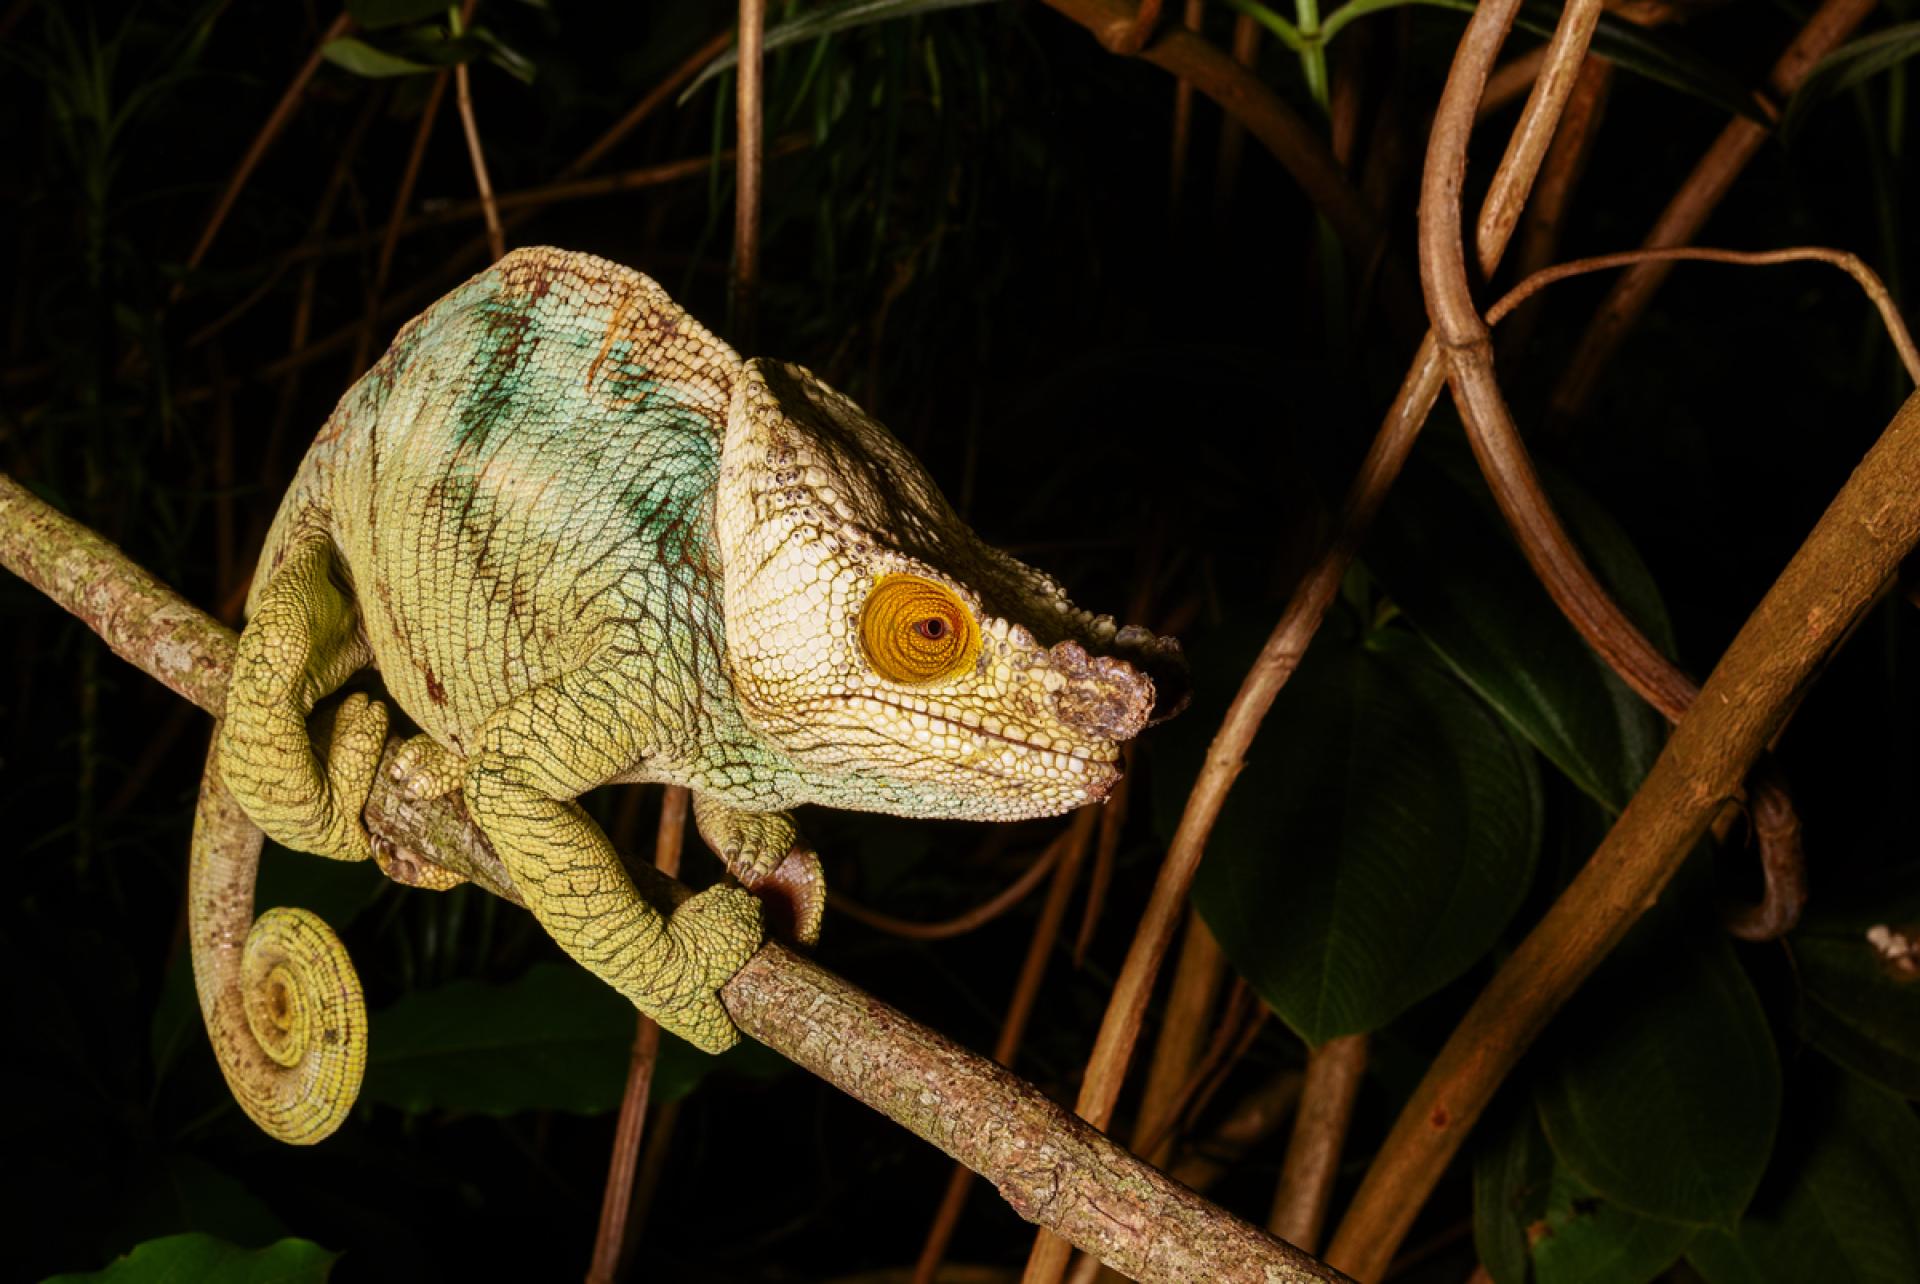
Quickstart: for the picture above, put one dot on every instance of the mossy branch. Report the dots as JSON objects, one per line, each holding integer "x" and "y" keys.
{"x": 1052, "y": 1167}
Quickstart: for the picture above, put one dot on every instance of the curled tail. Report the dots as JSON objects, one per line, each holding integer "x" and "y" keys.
{"x": 280, "y": 997}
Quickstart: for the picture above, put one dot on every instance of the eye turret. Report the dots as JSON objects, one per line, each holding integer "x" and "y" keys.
{"x": 915, "y": 631}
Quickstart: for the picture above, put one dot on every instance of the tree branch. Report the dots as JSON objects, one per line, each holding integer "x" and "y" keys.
{"x": 1051, "y": 1167}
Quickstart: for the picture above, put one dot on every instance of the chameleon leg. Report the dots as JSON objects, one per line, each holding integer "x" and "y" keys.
{"x": 550, "y": 745}
{"x": 302, "y": 643}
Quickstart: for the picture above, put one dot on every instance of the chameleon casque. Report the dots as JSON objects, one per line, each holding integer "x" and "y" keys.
{"x": 585, "y": 542}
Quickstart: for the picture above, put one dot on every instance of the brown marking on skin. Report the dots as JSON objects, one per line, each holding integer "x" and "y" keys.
{"x": 614, "y": 331}
{"x": 435, "y": 691}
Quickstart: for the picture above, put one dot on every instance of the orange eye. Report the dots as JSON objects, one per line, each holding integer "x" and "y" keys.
{"x": 915, "y": 631}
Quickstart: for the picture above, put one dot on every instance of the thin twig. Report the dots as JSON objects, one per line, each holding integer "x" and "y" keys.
{"x": 1196, "y": 981}
{"x": 1257, "y": 1116}
{"x": 1239, "y": 1025}
{"x": 1540, "y": 226}
{"x": 657, "y": 97}
{"x": 463, "y": 98}
{"x": 748, "y": 168}
{"x": 1050, "y": 1166}
{"x": 1691, "y": 205}
{"x": 1135, "y": 37}
{"x": 616, "y": 1203}
{"x": 960, "y": 924}
{"x": 1510, "y": 81}
{"x": 1292, "y": 141}
{"x": 1182, "y": 119}
{"x": 390, "y": 239}
{"x": 275, "y": 122}
{"x": 1300, "y": 1202}
{"x": 1869, "y": 282}
{"x": 1033, "y": 969}
{"x": 1106, "y": 854}
{"x": 1233, "y": 134}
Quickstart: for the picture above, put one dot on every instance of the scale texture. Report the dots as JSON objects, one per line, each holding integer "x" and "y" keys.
{"x": 584, "y": 542}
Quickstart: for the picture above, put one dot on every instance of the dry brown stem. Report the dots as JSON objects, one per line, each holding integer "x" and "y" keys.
{"x": 1295, "y": 144}
{"x": 1051, "y": 1167}
{"x": 1693, "y": 202}
{"x": 1255, "y": 1117}
{"x": 469, "y": 253}
{"x": 1851, "y": 553}
{"x": 1182, "y": 118}
{"x": 748, "y": 168}
{"x": 1106, "y": 852}
{"x": 390, "y": 239}
{"x": 1869, "y": 282}
{"x": 276, "y": 121}
{"x": 1196, "y": 981}
{"x": 1033, "y": 969}
{"x": 1510, "y": 81}
{"x": 1334, "y": 1071}
{"x": 1539, "y": 231}
{"x": 1233, "y": 135}
{"x": 476, "y": 154}
{"x": 1135, "y": 37}
{"x": 616, "y": 1201}
{"x": 657, "y": 97}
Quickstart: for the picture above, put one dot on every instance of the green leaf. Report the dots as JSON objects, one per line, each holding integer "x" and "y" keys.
{"x": 375, "y": 14}
{"x": 1512, "y": 1175}
{"x": 1661, "y": 1089}
{"x": 1841, "y": 1207}
{"x": 824, "y": 21}
{"x": 1585, "y": 1239}
{"x": 362, "y": 59}
{"x": 202, "y": 1259}
{"x": 1534, "y": 1220}
{"x": 179, "y": 1189}
{"x": 1444, "y": 556}
{"x": 556, "y": 1039}
{"x": 1851, "y": 1007}
{"x": 1376, "y": 843}
{"x": 1851, "y": 64}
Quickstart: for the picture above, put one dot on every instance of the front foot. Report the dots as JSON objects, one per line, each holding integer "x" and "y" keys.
{"x": 713, "y": 934}
{"x": 750, "y": 843}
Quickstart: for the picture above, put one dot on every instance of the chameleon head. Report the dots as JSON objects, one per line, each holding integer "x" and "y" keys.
{"x": 901, "y": 663}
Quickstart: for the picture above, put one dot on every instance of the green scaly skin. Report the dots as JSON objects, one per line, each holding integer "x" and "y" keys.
{"x": 585, "y": 542}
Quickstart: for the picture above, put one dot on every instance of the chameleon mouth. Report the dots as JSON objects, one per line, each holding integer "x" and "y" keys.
{"x": 1074, "y": 759}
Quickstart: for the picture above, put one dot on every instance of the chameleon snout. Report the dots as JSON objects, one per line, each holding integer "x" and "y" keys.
{"x": 1102, "y": 697}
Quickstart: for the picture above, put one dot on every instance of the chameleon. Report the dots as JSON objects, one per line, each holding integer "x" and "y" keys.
{"x": 584, "y": 542}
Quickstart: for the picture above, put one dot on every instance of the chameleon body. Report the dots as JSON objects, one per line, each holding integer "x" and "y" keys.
{"x": 585, "y": 542}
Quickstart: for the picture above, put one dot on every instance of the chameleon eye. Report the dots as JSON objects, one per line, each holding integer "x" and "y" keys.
{"x": 915, "y": 631}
